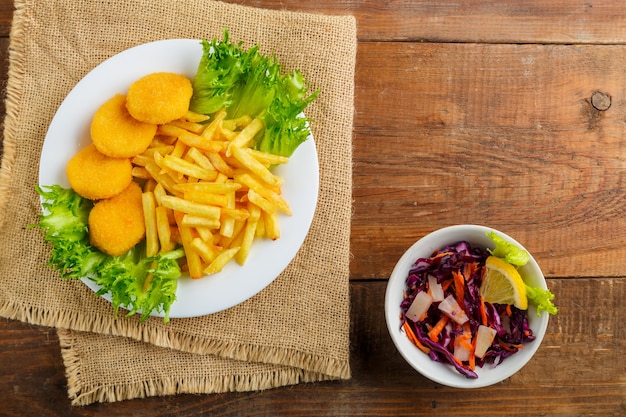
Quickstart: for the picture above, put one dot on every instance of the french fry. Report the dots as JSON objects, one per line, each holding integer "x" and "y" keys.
{"x": 268, "y": 159}
{"x": 142, "y": 159}
{"x": 149, "y": 185}
{"x": 200, "y": 158}
{"x": 280, "y": 203}
{"x": 176, "y": 176}
{"x": 206, "y": 198}
{"x": 239, "y": 122}
{"x": 248, "y": 234}
{"x": 226, "y": 134}
{"x": 260, "y": 229}
{"x": 209, "y": 187}
{"x": 189, "y": 207}
{"x": 192, "y": 127}
{"x": 163, "y": 229}
{"x": 213, "y": 127}
{"x": 190, "y": 220}
{"x": 194, "y": 263}
{"x": 235, "y": 213}
{"x": 186, "y": 168}
{"x": 163, "y": 150}
{"x": 260, "y": 201}
{"x": 191, "y": 139}
{"x": 246, "y": 135}
{"x": 205, "y": 250}
{"x": 149, "y": 215}
{"x": 204, "y": 233}
{"x": 220, "y": 164}
{"x": 254, "y": 166}
{"x": 228, "y": 223}
{"x": 159, "y": 192}
{"x": 226, "y": 241}
{"x": 180, "y": 147}
{"x": 196, "y": 117}
{"x": 162, "y": 178}
{"x": 141, "y": 173}
{"x": 221, "y": 260}
{"x": 272, "y": 229}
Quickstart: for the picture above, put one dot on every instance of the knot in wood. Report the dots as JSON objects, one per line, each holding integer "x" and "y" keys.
{"x": 600, "y": 101}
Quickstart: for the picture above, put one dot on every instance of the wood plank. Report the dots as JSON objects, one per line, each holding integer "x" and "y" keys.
{"x": 530, "y": 21}
{"x": 6, "y": 17}
{"x": 4, "y": 70}
{"x": 575, "y": 371}
{"x": 501, "y": 135}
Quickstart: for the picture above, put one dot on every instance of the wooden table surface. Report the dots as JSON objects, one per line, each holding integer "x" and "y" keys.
{"x": 506, "y": 113}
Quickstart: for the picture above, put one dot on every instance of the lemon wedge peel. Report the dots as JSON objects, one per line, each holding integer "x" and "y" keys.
{"x": 502, "y": 284}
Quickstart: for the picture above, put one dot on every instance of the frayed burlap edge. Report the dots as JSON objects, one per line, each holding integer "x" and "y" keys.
{"x": 82, "y": 394}
{"x": 12, "y": 103}
{"x": 332, "y": 368}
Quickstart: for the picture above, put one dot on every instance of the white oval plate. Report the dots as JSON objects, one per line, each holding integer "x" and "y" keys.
{"x": 69, "y": 132}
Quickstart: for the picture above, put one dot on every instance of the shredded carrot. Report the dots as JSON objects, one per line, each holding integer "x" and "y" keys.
{"x": 459, "y": 286}
{"x": 433, "y": 333}
{"x": 441, "y": 254}
{"x": 469, "y": 269}
{"x": 413, "y": 338}
{"x": 483, "y": 312}
{"x": 466, "y": 337}
{"x": 505, "y": 346}
{"x": 472, "y": 358}
{"x": 445, "y": 284}
{"x": 508, "y": 311}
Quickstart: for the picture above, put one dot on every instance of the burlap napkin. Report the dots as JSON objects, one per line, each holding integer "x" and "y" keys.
{"x": 295, "y": 330}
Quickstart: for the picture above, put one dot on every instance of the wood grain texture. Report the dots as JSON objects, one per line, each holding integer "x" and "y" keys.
{"x": 503, "y": 21}
{"x": 576, "y": 372}
{"x": 500, "y": 135}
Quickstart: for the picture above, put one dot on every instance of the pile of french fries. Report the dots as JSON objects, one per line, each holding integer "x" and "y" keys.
{"x": 207, "y": 189}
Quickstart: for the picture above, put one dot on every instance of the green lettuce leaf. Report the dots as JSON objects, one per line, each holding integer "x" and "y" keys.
{"x": 508, "y": 251}
{"x": 246, "y": 82}
{"x": 136, "y": 283}
{"x": 541, "y": 299}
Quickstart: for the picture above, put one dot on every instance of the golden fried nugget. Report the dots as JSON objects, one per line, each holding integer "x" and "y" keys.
{"x": 117, "y": 224}
{"x": 96, "y": 176}
{"x": 159, "y": 97}
{"x": 116, "y": 133}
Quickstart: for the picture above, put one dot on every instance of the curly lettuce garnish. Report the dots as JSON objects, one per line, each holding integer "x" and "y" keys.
{"x": 136, "y": 283}
{"x": 246, "y": 82}
{"x": 508, "y": 251}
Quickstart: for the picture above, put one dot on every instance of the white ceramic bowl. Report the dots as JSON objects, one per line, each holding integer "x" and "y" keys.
{"x": 440, "y": 372}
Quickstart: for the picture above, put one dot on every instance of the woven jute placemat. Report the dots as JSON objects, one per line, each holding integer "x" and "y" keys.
{"x": 295, "y": 330}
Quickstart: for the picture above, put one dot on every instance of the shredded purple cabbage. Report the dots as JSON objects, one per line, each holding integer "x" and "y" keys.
{"x": 512, "y": 330}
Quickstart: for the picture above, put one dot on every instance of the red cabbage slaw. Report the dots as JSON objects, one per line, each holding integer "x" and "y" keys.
{"x": 459, "y": 269}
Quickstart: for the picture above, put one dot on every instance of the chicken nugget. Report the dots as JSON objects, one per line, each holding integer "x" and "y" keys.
{"x": 117, "y": 224}
{"x": 159, "y": 97}
{"x": 95, "y": 176}
{"x": 116, "y": 133}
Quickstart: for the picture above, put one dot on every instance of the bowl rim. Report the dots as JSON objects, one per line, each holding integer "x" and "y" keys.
{"x": 442, "y": 373}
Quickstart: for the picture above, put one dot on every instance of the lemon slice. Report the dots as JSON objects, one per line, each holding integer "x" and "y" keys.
{"x": 502, "y": 284}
